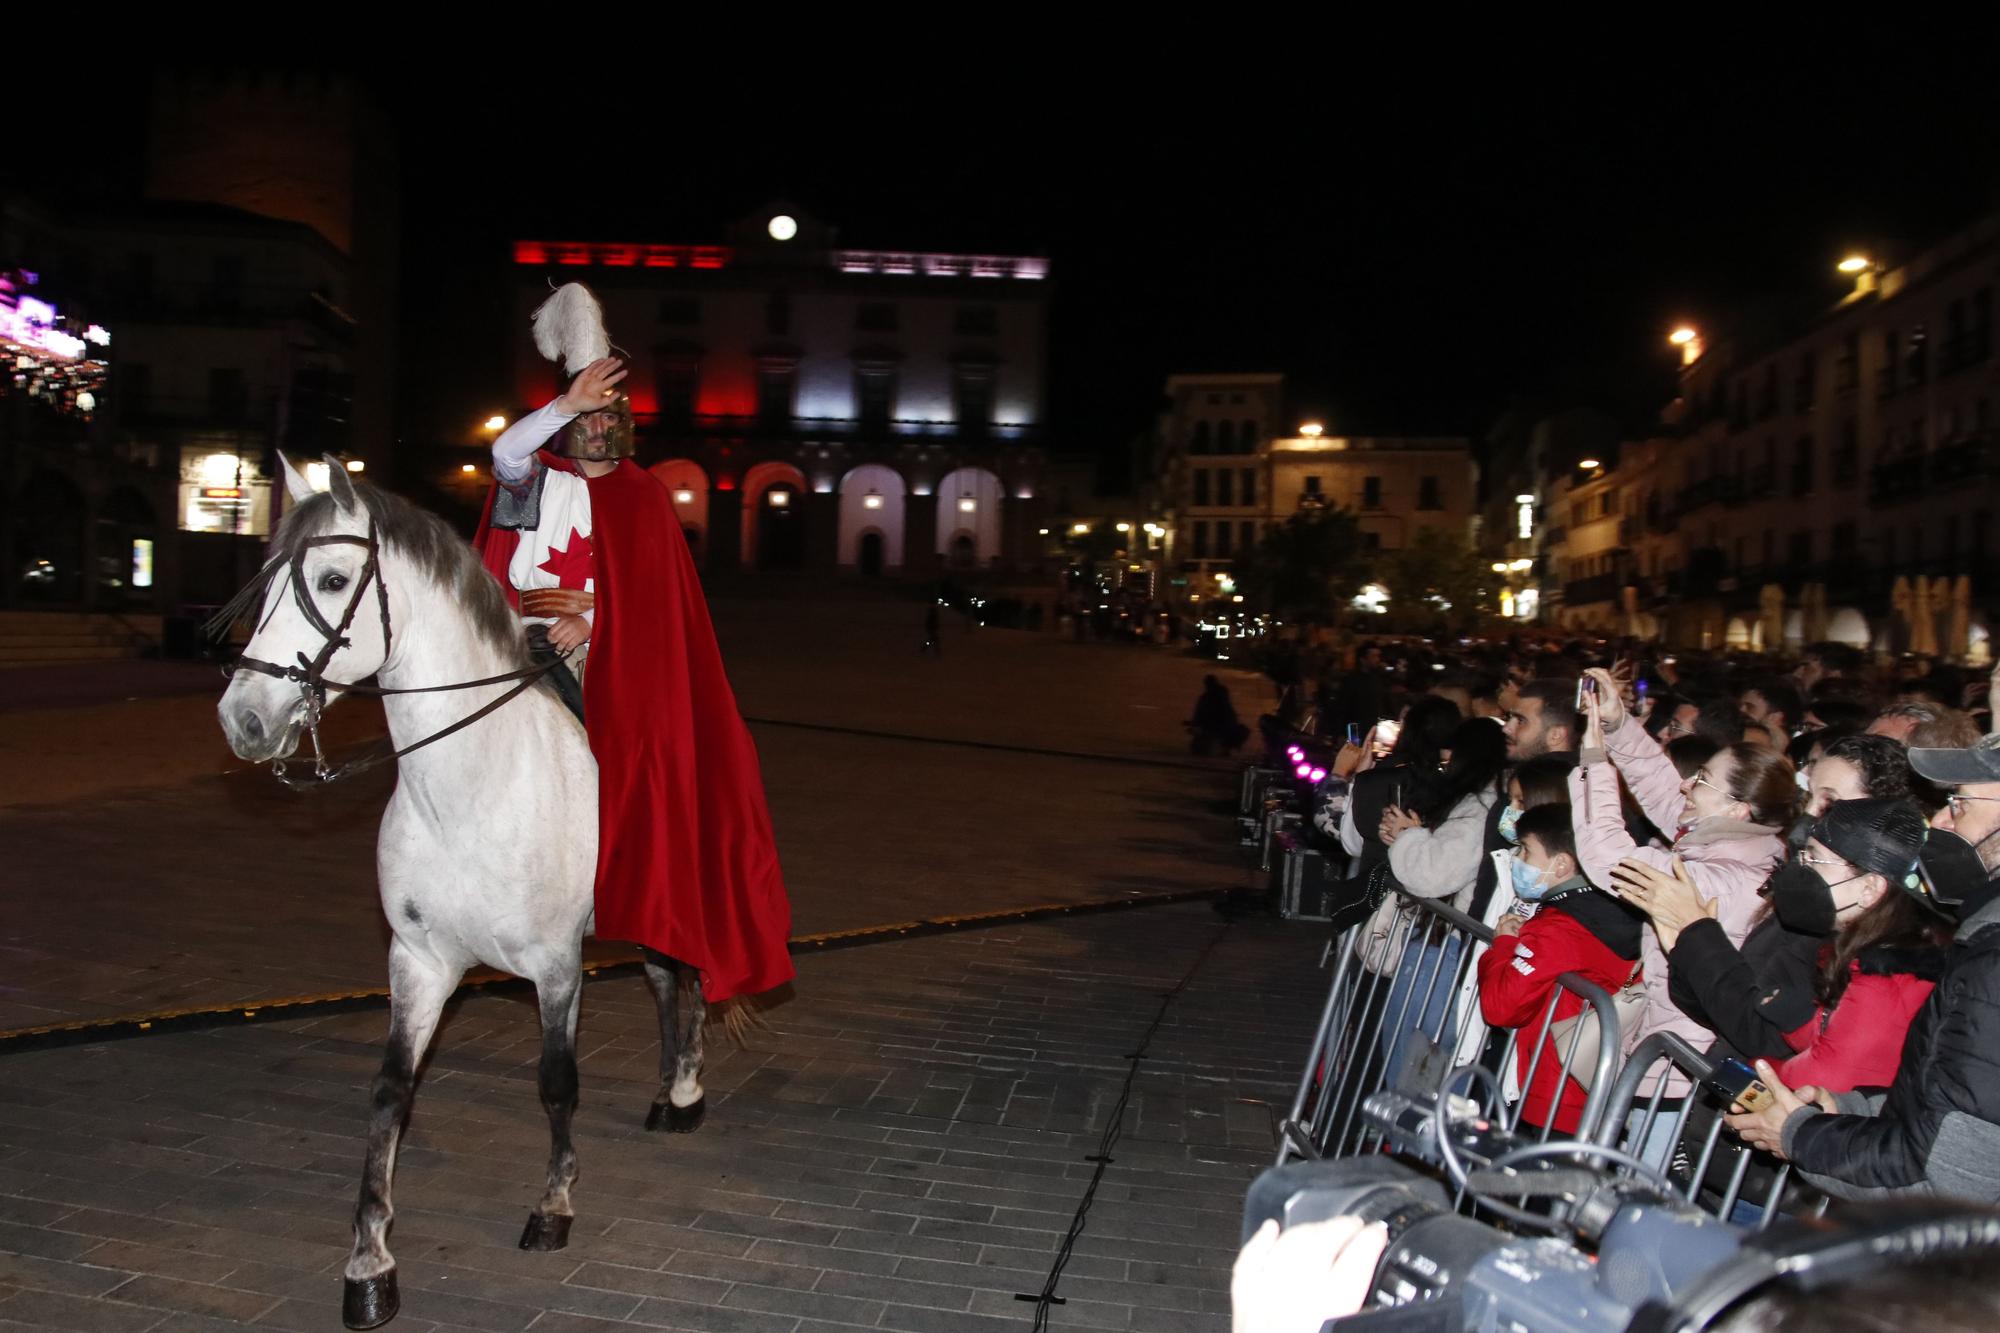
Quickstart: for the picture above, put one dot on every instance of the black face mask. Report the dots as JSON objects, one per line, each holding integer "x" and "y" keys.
{"x": 1951, "y": 868}
{"x": 1804, "y": 901}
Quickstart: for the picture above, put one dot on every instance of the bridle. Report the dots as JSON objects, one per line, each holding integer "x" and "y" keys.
{"x": 309, "y": 673}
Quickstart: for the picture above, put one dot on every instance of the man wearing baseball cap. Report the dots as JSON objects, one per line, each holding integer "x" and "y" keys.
{"x": 1936, "y": 1129}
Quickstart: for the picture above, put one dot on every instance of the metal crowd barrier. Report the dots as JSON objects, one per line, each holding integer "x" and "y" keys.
{"x": 1406, "y": 1027}
{"x": 1647, "y": 1125}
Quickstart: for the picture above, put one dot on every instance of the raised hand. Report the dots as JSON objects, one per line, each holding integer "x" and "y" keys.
{"x": 593, "y": 388}
{"x": 1610, "y": 710}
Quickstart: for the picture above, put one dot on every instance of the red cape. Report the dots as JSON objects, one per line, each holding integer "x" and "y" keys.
{"x": 686, "y": 863}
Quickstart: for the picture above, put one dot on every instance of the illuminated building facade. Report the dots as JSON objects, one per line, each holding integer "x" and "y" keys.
{"x": 814, "y": 406}
{"x": 1837, "y": 478}
{"x": 1228, "y": 463}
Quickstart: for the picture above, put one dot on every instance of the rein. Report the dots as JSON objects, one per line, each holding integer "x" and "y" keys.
{"x": 309, "y": 674}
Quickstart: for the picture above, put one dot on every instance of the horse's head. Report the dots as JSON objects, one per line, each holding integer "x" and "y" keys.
{"x": 321, "y": 617}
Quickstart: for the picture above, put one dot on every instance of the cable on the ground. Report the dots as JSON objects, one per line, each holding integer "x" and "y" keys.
{"x": 1114, "y": 1130}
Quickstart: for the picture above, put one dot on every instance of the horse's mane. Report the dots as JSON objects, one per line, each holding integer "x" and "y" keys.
{"x": 421, "y": 537}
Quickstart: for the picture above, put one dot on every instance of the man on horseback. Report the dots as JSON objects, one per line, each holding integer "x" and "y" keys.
{"x": 590, "y": 551}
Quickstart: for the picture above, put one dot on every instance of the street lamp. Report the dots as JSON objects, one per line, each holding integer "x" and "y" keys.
{"x": 496, "y": 422}
{"x": 467, "y": 467}
{"x": 1079, "y": 529}
{"x": 1856, "y": 264}
{"x": 1520, "y": 565}
{"x": 356, "y": 465}
{"x": 1312, "y": 430}
{"x": 1590, "y": 464}
{"x": 1124, "y": 527}
{"x": 1689, "y": 341}
{"x": 1499, "y": 566}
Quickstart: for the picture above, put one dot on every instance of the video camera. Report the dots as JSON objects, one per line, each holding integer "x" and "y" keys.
{"x": 1617, "y": 1251}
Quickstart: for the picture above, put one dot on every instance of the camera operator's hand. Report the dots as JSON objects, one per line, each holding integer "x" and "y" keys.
{"x": 1765, "y": 1129}
{"x": 1293, "y": 1281}
{"x": 1349, "y": 761}
{"x": 1607, "y": 713}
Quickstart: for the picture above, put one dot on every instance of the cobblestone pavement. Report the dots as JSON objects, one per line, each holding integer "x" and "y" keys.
{"x": 904, "y": 1150}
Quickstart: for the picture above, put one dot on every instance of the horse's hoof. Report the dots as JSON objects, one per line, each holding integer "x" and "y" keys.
{"x": 369, "y": 1302}
{"x": 677, "y": 1119}
{"x": 546, "y": 1231}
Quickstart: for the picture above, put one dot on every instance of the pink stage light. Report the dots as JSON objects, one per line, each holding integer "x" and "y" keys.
{"x": 1303, "y": 770}
{"x": 1319, "y": 775}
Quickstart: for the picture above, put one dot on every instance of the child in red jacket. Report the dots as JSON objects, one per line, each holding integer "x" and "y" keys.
{"x": 1559, "y": 924}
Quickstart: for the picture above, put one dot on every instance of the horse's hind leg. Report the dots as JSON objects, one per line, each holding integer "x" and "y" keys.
{"x": 548, "y": 1225}
{"x": 417, "y": 992}
{"x": 680, "y": 1104}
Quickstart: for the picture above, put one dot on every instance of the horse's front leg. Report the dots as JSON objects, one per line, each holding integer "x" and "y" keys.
{"x": 418, "y": 988}
{"x": 680, "y": 1104}
{"x": 548, "y": 1226}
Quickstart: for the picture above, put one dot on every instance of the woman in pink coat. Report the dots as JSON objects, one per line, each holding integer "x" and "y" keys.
{"x": 1727, "y": 823}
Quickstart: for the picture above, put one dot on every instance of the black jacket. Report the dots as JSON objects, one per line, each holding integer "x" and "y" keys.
{"x": 1374, "y": 792}
{"x": 1937, "y": 1129}
{"x": 1748, "y": 997}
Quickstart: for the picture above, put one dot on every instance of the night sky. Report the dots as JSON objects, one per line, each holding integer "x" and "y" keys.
{"x": 1416, "y": 251}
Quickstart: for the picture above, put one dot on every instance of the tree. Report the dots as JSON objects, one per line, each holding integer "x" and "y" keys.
{"x": 1437, "y": 584}
{"x": 1307, "y": 568}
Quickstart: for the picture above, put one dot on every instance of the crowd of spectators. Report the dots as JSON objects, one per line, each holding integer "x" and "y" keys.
{"x": 1794, "y": 863}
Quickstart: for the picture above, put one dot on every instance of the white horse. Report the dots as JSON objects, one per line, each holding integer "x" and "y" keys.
{"x": 488, "y": 848}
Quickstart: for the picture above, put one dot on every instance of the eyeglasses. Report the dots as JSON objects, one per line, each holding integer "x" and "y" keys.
{"x": 1808, "y": 859}
{"x": 1956, "y": 803}
{"x": 1678, "y": 728}
{"x": 1701, "y": 780}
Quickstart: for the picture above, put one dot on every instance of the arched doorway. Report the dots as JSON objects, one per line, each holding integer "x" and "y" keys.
{"x": 687, "y": 484}
{"x": 781, "y": 535}
{"x": 871, "y": 554}
{"x": 774, "y": 504}
{"x": 969, "y": 511}
{"x": 125, "y": 539}
{"x": 871, "y": 501}
{"x": 48, "y": 541}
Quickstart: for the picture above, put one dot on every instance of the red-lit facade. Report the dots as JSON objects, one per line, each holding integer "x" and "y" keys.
{"x": 817, "y": 406}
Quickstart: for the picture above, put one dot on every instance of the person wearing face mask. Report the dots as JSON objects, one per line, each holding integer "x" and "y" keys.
{"x": 1936, "y": 1129}
{"x": 1826, "y": 985}
{"x": 1726, "y": 824}
{"x": 1560, "y": 924}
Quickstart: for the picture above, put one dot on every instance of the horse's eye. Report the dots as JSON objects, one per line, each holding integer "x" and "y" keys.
{"x": 332, "y": 582}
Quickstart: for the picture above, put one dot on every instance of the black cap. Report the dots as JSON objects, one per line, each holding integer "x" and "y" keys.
{"x": 1953, "y": 768}
{"x": 1882, "y": 834}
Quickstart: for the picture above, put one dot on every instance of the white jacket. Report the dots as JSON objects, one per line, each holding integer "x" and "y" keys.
{"x": 1444, "y": 862}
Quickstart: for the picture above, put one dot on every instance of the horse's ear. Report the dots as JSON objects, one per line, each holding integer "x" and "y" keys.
{"x": 297, "y": 488}
{"x": 338, "y": 482}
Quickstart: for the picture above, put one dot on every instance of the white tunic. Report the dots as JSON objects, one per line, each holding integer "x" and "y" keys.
{"x": 563, "y": 537}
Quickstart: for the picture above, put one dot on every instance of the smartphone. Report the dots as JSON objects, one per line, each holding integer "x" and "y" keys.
{"x": 1354, "y": 733}
{"x": 1738, "y": 1083}
{"x": 1386, "y": 732}
{"x": 1585, "y": 686}
{"x": 1641, "y": 687}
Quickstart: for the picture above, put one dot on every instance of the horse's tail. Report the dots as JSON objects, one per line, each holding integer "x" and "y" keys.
{"x": 738, "y": 1017}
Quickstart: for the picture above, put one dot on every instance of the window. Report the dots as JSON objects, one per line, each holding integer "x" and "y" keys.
{"x": 1246, "y": 535}
{"x": 1801, "y": 548}
{"x": 1371, "y": 541}
{"x": 1847, "y": 458}
{"x": 680, "y": 310}
{"x": 1246, "y": 437}
{"x": 1215, "y": 400}
{"x": 875, "y": 317}
{"x": 1427, "y": 494}
{"x": 227, "y": 397}
{"x": 776, "y": 386}
{"x": 227, "y": 287}
{"x": 1222, "y": 533}
{"x": 1802, "y": 384}
{"x": 1201, "y": 539}
{"x": 1770, "y": 548}
{"x": 1235, "y": 398}
{"x": 875, "y": 394}
{"x": 1201, "y": 475}
{"x": 679, "y": 381}
{"x": 132, "y": 383}
{"x": 972, "y": 395}
{"x": 1312, "y": 483}
{"x": 778, "y": 314}
{"x": 1225, "y": 487}
{"x": 1371, "y": 492}
{"x": 1225, "y": 438}
{"x": 1802, "y": 465}
{"x": 1246, "y": 484}
{"x": 1198, "y": 441}
{"x": 976, "y": 321}
{"x": 1916, "y": 358}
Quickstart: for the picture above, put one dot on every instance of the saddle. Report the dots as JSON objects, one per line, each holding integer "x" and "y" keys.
{"x": 556, "y": 602}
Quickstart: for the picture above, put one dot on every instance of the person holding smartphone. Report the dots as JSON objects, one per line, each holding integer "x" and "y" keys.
{"x": 1727, "y": 825}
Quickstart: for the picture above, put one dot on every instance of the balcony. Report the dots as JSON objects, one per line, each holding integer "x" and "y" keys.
{"x": 1596, "y": 588}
